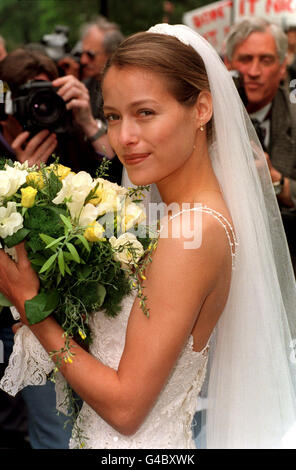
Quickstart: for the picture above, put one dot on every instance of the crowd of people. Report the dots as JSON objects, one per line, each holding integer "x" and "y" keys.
{"x": 31, "y": 418}
{"x": 265, "y": 57}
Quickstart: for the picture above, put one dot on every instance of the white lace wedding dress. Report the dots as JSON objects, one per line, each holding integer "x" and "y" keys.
{"x": 168, "y": 425}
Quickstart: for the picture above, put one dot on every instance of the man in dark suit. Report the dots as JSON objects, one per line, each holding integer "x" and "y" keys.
{"x": 257, "y": 49}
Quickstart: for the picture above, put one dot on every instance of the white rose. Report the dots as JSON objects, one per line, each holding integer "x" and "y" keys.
{"x": 120, "y": 190}
{"x": 88, "y": 214}
{"x": 75, "y": 188}
{"x": 11, "y": 179}
{"x": 128, "y": 250}
{"x": 132, "y": 214}
{"x": 24, "y": 165}
{"x": 10, "y": 220}
{"x": 110, "y": 202}
{"x": 108, "y": 196}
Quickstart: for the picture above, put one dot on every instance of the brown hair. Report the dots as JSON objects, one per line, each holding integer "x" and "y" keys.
{"x": 22, "y": 65}
{"x": 180, "y": 64}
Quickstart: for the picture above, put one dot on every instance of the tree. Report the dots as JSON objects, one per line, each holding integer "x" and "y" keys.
{"x": 24, "y": 21}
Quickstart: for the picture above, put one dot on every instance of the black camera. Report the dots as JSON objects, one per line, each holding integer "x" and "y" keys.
{"x": 38, "y": 106}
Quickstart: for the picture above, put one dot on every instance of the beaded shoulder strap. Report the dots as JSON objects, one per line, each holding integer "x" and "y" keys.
{"x": 231, "y": 237}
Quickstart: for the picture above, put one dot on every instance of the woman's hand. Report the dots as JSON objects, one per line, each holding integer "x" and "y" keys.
{"x": 18, "y": 281}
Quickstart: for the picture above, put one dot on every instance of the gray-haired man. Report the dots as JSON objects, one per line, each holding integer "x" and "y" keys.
{"x": 257, "y": 49}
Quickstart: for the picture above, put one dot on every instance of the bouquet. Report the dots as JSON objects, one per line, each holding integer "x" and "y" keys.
{"x": 84, "y": 238}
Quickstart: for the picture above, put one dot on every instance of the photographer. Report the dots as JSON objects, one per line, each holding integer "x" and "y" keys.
{"x": 77, "y": 141}
{"x": 74, "y": 136}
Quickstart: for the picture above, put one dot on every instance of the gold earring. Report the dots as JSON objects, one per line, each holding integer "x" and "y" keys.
{"x": 201, "y": 128}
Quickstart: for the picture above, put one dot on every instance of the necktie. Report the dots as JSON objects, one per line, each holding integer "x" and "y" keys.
{"x": 261, "y": 132}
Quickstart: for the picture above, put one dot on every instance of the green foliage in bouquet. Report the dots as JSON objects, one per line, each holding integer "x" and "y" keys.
{"x": 78, "y": 235}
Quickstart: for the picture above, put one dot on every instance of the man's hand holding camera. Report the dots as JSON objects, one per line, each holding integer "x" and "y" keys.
{"x": 36, "y": 150}
{"x": 43, "y": 109}
{"x": 76, "y": 96}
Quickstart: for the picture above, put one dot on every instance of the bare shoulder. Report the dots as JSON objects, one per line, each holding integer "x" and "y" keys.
{"x": 191, "y": 258}
{"x": 198, "y": 237}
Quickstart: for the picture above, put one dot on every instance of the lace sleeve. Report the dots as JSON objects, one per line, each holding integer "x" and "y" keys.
{"x": 29, "y": 364}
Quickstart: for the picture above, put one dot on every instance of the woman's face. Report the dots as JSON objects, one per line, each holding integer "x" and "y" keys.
{"x": 150, "y": 131}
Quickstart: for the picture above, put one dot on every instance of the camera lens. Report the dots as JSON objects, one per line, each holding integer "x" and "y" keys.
{"x": 47, "y": 108}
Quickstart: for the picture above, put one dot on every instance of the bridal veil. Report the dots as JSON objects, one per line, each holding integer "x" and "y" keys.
{"x": 251, "y": 386}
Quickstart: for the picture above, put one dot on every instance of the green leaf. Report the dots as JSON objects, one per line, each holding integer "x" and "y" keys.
{"x": 55, "y": 242}
{"x": 48, "y": 263}
{"x": 4, "y": 302}
{"x": 84, "y": 242}
{"x": 16, "y": 238}
{"x": 84, "y": 272}
{"x": 67, "y": 269}
{"x": 46, "y": 238}
{"x": 54, "y": 185}
{"x": 66, "y": 221}
{"x": 42, "y": 305}
{"x": 38, "y": 260}
{"x": 61, "y": 262}
{"x": 101, "y": 291}
{"x": 73, "y": 252}
{"x": 68, "y": 256}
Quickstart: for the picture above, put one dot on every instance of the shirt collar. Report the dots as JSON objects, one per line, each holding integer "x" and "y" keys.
{"x": 261, "y": 114}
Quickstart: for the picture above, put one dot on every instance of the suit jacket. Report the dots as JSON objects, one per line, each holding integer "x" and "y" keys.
{"x": 282, "y": 146}
{"x": 282, "y": 151}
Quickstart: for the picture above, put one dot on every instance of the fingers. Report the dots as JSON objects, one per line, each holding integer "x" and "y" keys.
{"x": 19, "y": 142}
{"x": 69, "y": 84}
{"x": 75, "y": 93}
{"x": 70, "y": 88}
{"x": 43, "y": 151}
{"x": 40, "y": 142}
{"x": 4, "y": 258}
{"x": 22, "y": 256}
{"x": 16, "y": 326}
{"x": 37, "y": 150}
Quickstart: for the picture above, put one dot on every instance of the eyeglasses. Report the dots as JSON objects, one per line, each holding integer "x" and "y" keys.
{"x": 90, "y": 54}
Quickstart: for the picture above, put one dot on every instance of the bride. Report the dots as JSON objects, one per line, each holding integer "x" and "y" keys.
{"x": 175, "y": 118}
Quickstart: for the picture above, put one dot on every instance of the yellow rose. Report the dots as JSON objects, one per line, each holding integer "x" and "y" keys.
{"x": 94, "y": 232}
{"x": 28, "y": 196}
{"x": 61, "y": 171}
{"x": 106, "y": 198}
{"x": 35, "y": 178}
